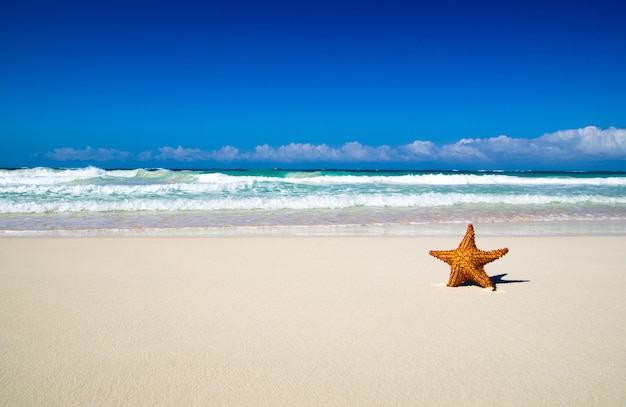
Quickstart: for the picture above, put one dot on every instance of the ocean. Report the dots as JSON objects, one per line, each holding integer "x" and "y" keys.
{"x": 163, "y": 202}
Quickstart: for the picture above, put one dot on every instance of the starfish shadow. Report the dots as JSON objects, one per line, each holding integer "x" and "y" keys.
{"x": 499, "y": 279}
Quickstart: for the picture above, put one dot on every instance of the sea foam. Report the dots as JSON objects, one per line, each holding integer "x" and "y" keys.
{"x": 45, "y": 196}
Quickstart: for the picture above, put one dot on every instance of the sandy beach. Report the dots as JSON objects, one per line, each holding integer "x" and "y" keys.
{"x": 309, "y": 321}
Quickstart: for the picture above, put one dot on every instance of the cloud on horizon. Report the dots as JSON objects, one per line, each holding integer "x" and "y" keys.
{"x": 589, "y": 144}
{"x": 88, "y": 154}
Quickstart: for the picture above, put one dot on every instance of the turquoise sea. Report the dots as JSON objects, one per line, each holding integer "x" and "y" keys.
{"x": 95, "y": 201}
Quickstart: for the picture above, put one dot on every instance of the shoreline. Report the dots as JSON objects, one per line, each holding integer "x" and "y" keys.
{"x": 315, "y": 321}
{"x": 612, "y": 227}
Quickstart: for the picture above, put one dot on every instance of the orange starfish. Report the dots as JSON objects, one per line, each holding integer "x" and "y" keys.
{"x": 467, "y": 261}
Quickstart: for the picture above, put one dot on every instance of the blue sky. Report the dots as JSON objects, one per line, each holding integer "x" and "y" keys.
{"x": 387, "y": 84}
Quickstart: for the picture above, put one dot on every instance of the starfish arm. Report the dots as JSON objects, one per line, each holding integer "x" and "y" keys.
{"x": 482, "y": 258}
{"x": 444, "y": 255}
{"x": 482, "y": 279}
{"x": 456, "y": 276}
{"x": 468, "y": 242}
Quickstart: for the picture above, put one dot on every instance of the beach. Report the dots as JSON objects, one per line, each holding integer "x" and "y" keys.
{"x": 309, "y": 321}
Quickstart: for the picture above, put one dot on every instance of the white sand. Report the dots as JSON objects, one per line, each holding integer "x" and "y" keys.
{"x": 359, "y": 321}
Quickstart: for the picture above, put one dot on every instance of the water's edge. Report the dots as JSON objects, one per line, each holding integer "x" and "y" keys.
{"x": 530, "y": 229}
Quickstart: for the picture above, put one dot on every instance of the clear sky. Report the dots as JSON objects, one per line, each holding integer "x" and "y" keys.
{"x": 306, "y": 84}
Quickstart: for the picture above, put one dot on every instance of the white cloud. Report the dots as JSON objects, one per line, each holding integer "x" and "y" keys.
{"x": 584, "y": 145}
{"x": 417, "y": 150}
{"x": 590, "y": 142}
{"x": 226, "y": 153}
{"x": 349, "y": 152}
{"x": 355, "y": 152}
{"x": 180, "y": 153}
{"x": 88, "y": 154}
{"x": 463, "y": 150}
{"x": 292, "y": 152}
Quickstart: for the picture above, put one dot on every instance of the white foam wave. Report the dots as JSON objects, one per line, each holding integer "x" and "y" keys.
{"x": 48, "y": 176}
{"x": 51, "y": 176}
{"x": 45, "y": 190}
{"x": 414, "y": 179}
{"x": 153, "y": 202}
{"x": 454, "y": 179}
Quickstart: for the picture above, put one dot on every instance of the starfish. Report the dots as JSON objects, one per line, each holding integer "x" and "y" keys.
{"x": 467, "y": 261}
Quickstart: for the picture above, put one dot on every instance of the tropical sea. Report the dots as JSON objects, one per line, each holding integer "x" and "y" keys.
{"x": 163, "y": 202}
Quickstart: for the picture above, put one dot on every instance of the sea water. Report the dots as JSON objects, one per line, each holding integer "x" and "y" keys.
{"x": 95, "y": 201}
